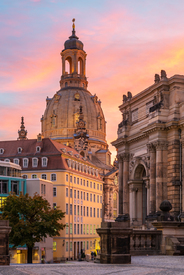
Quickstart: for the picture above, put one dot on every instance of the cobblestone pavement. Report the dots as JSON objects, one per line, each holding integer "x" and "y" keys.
{"x": 146, "y": 265}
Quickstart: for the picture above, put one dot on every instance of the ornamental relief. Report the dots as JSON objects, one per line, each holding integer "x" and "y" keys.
{"x": 135, "y": 161}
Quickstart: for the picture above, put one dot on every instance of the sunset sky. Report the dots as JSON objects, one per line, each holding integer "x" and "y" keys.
{"x": 126, "y": 42}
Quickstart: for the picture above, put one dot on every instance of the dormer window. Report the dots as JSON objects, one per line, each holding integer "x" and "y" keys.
{"x": 38, "y": 149}
{"x": 1, "y": 151}
{"x": 7, "y": 160}
{"x": 25, "y": 162}
{"x": 34, "y": 162}
{"x": 44, "y": 162}
{"x": 16, "y": 161}
{"x": 19, "y": 150}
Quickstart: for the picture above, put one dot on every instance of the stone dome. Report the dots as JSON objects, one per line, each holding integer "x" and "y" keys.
{"x": 73, "y": 43}
{"x": 62, "y": 113}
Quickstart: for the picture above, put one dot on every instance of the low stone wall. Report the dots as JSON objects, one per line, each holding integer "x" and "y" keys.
{"x": 145, "y": 242}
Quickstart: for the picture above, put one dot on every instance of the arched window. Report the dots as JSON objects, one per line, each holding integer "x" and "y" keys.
{"x": 25, "y": 162}
{"x": 19, "y": 150}
{"x": 34, "y": 162}
{"x": 44, "y": 162}
{"x": 80, "y": 66}
{"x": 1, "y": 151}
{"x": 68, "y": 65}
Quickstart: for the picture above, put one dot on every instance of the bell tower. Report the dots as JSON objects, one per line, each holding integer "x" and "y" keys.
{"x": 73, "y": 62}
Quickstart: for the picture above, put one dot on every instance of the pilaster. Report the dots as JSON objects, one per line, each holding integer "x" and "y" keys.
{"x": 152, "y": 152}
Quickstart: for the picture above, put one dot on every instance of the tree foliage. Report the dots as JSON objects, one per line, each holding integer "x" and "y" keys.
{"x": 31, "y": 219}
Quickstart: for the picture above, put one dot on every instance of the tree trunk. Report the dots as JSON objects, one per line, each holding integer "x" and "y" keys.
{"x": 29, "y": 255}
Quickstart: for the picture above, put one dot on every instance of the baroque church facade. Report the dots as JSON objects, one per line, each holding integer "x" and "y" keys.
{"x": 74, "y": 117}
{"x": 150, "y": 151}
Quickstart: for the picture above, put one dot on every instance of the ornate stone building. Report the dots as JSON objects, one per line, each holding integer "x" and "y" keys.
{"x": 150, "y": 150}
{"x": 74, "y": 117}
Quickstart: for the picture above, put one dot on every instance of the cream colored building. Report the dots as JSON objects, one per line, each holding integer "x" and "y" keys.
{"x": 71, "y": 182}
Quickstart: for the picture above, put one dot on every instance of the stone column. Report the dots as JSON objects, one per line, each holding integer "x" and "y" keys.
{"x": 125, "y": 183}
{"x": 165, "y": 167}
{"x": 159, "y": 174}
{"x": 151, "y": 149}
{"x": 134, "y": 216}
{"x": 120, "y": 160}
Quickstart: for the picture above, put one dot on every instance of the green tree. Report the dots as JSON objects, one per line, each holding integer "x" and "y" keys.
{"x": 31, "y": 219}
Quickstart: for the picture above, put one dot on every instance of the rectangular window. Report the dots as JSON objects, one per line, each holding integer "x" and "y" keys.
{"x": 87, "y": 229}
{"x": 74, "y": 179}
{"x": 53, "y": 177}
{"x": 54, "y": 246}
{"x": 70, "y": 246}
{"x": 84, "y": 196}
{"x": 70, "y": 193}
{"x": 84, "y": 245}
{"x": 66, "y": 228}
{"x": 87, "y": 245}
{"x": 87, "y": 183}
{"x": 81, "y": 181}
{"x": 66, "y": 246}
{"x": 84, "y": 211}
{"x": 78, "y": 229}
{"x": 77, "y": 180}
{"x": 66, "y": 177}
{"x": 15, "y": 187}
{"x": 54, "y": 206}
{"x": 91, "y": 229}
{"x": 94, "y": 198}
{"x": 70, "y": 209}
{"x": 83, "y": 228}
{"x": 78, "y": 194}
{"x": 94, "y": 212}
{"x": 78, "y": 210}
{"x": 44, "y": 176}
{"x": 66, "y": 192}
{"x": 87, "y": 211}
{"x": 97, "y": 186}
{"x": 94, "y": 185}
{"x": 44, "y": 189}
{"x": 97, "y": 212}
{"x": 100, "y": 213}
{"x": 91, "y": 212}
{"x": 74, "y": 209}
{"x": 74, "y": 194}
{"x": 81, "y": 195}
{"x": 74, "y": 228}
{"x": 90, "y": 244}
{"x": 70, "y": 179}
{"x": 87, "y": 195}
{"x": 71, "y": 228}
{"x": 98, "y": 198}
{"x": 91, "y": 197}
{"x": 100, "y": 187}
{"x": 90, "y": 184}
{"x": 81, "y": 210}
{"x": 4, "y": 186}
{"x": 84, "y": 183}
{"x": 66, "y": 208}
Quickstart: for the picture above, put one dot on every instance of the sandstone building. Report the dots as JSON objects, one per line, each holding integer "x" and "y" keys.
{"x": 150, "y": 150}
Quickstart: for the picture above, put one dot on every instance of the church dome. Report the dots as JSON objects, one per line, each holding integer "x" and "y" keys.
{"x": 62, "y": 114}
{"x": 59, "y": 121}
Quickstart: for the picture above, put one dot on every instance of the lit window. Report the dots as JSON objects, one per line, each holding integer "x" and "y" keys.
{"x": 54, "y": 246}
{"x": 53, "y": 177}
{"x": 54, "y": 206}
{"x": 34, "y": 162}
{"x": 44, "y": 162}
{"x": 44, "y": 176}
{"x": 87, "y": 230}
{"x": 54, "y": 191}
{"x": 25, "y": 163}
{"x": 91, "y": 229}
{"x": 34, "y": 176}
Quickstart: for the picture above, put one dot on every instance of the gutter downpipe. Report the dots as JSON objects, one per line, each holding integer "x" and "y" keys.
{"x": 180, "y": 146}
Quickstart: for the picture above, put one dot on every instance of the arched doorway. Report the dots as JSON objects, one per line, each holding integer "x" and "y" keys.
{"x": 138, "y": 196}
